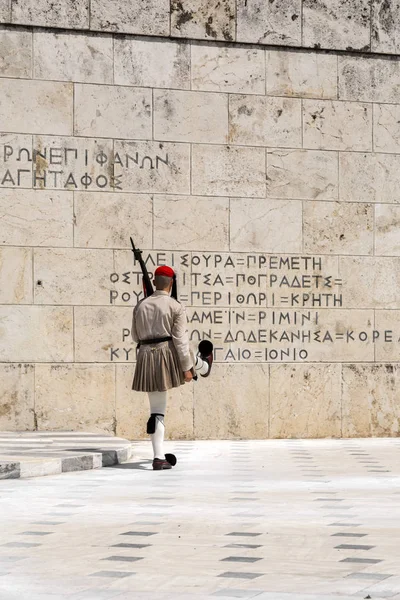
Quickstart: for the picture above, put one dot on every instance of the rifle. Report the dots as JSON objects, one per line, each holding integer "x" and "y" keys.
{"x": 147, "y": 285}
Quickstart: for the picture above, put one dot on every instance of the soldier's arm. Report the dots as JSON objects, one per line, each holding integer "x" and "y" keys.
{"x": 180, "y": 337}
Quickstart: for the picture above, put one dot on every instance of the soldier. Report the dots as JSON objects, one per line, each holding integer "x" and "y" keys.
{"x": 164, "y": 360}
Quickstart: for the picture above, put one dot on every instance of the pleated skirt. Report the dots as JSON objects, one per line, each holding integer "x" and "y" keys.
{"x": 157, "y": 368}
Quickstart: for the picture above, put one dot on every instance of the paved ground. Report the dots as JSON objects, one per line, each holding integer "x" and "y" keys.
{"x": 274, "y": 520}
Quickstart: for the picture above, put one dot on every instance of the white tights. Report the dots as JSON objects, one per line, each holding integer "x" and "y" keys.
{"x": 158, "y": 404}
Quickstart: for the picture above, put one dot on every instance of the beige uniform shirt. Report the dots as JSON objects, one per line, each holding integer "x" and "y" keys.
{"x": 162, "y": 316}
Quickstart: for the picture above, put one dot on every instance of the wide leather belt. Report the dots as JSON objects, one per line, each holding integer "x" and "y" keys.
{"x": 154, "y": 341}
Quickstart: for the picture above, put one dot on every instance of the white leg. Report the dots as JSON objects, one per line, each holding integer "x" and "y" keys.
{"x": 158, "y": 404}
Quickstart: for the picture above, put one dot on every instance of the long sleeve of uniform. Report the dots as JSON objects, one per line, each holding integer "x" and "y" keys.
{"x": 180, "y": 337}
{"x": 133, "y": 328}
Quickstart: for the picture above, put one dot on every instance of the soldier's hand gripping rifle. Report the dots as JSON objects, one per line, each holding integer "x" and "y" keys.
{"x": 147, "y": 285}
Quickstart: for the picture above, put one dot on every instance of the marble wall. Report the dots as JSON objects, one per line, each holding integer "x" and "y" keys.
{"x": 269, "y": 178}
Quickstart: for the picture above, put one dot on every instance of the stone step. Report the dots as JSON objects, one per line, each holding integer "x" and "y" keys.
{"x": 34, "y": 454}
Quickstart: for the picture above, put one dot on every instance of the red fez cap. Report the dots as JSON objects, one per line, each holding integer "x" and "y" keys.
{"x": 165, "y": 271}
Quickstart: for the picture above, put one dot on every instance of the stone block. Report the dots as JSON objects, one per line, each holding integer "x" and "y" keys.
{"x": 181, "y": 116}
{"x": 149, "y": 17}
{"x": 78, "y": 463}
{"x": 85, "y": 281}
{"x": 269, "y": 22}
{"x": 15, "y": 53}
{"x": 265, "y": 121}
{"x": 338, "y": 228}
{"x": 50, "y": 219}
{"x": 36, "y": 333}
{"x": 15, "y": 163}
{"x": 233, "y": 403}
{"x": 385, "y": 26}
{"x": 302, "y": 74}
{"x": 133, "y": 409}
{"x": 68, "y": 15}
{"x": 17, "y": 397}
{"x": 5, "y": 11}
{"x": 265, "y": 225}
{"x": 387, "y": 323}
{"x": 71, "y": 56}
{"x": 370, "y": 282}
{"x": 369, "y": 177}
{"x": 153, "y": 167}
{"x": 75, "y": 397}
{"x": 210, "y": 322}
{"x": 103, "y": 334}
{"x": 330, "y": 125}
{"x": 303, "y": 174}
{"x": 369, "y": 79}
{"x": 104, "y": 220}
{"x": 16, "y": 276}
{"x": 74, "y": 163}
{"x": 113, "y": 111}
{"x": 337, "y": 24}
{"x": 228, "y": 171}
{"x": 305, "y": 401}
{"x": 39, "y": 467}
{"x": 370, "y": 400}
{"x": 204, "y": 19}
{"x": 233, "y": 69}
{"x": 191, "y": 223}
{"x": 387, "y": 221}
{"x": 28, "y": 106}
{"x": 386, "y": 128}
{"x": 159, "y": 63}
{"x": 10, "y": 469}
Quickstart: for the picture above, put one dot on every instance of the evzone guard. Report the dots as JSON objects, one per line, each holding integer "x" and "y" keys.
{"x": 164, "y": 359}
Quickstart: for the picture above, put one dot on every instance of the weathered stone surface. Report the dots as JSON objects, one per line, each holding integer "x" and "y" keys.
{"x": 103, "y": 334}
{"x": 265, "y": 225}
{"x": 16, "y": 397}
{"x": 150, "y": 17}
{"x": 9, "y": 469}
{"x": 385, "y": 26}
{"x": 338, "y": 228}
{"x": 232, "y": 69}
{"x": 221, "y": 409}
{"x": 303, "y": 74}
{"x": 16, "y": 276}
{"x": 133, "y": 410}
{"x": 330, "y": 125}
{"x": 181, "y": 116}
{"x": 338, "y": 24}
{"x": 265, "y": 121}
{"x": 269, "y": 22}
{"x": 104, "y": 220}
{"x": 58, "y": 13}
{"x": 85, "y": 282}
{"x": 305, "y": 401}
{"x": 228, "y": 171}
{"x": 204, "y": 19}
{"x": 370, "y": 282}
{"x": 113, "y": 111}
{"x": 70, "y": 56}
{"x": 5, "y": 11}
{"x": 303, "y": 174}
{"x": 387, "y": 223}
{"x": 59, "y": 390}
{"x": 202, "y": 223}
{"x": 387, "y": 322}
{"x": 369, "y": 79}
{"x": 36, "y": 107}
{"x": 161, "y": 63}
{"x": 370, "y": 400}
{"x": 387, "y": 128}
{"x": 15, "y": 52}
{"x": 162, "y": 167}
{"x": 50, "y": 218}
{"x": 369, "y": 177}
{"x": 73, "y": 163}
{"x": 35, "y": 333}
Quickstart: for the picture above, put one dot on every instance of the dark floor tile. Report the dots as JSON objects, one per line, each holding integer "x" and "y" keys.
{"x": 354, "y": 535}
{"x": 366, "y": 561}
{"x": 373, "y": 576}
{"x": 140, "y": 533}
{"x": 116, "y": 574}
{"x": 250, "y": 546}
{"x": 236, "y": 575}
{"x": 243, "y": 559}
{"x": 20, "y": 545}
{"x": 130, "y": 545}
{"x": 47, "y": 523}
{"x": 353, "y": 547}
{"x": 38, "y": 533}
{"x": 124, "y": 558}
{"x": 344, "y": 525}
{"x": 243, "y": 534}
